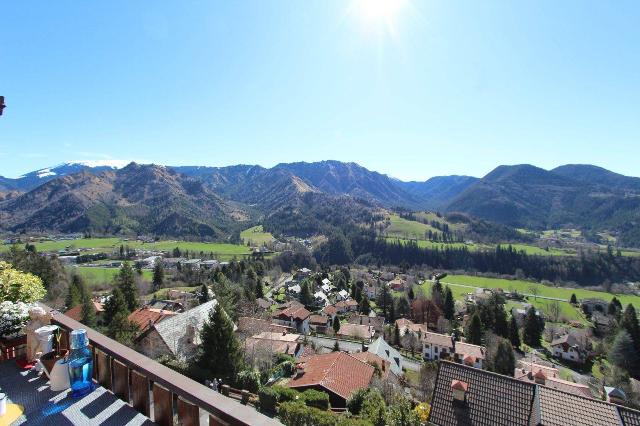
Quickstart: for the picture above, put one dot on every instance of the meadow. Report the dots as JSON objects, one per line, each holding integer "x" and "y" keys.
{"x": 256, "y": 236}
{"x": 102, "y": 276}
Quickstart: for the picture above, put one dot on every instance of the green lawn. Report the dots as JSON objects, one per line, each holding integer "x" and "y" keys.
{"x": 101, "y": 276}
{"x": 403, "y": 228}
{"x": 223, "y": 251}
{"x": 162, "y": 293}
{"x": 256, "y": 236}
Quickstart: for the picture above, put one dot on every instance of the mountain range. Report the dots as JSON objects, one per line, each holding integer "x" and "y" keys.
{"x": 215, "y": 201}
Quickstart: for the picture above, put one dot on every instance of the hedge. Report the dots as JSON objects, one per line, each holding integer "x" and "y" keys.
{"x": 316, "y": 399}
{"x": 268, "y": 399}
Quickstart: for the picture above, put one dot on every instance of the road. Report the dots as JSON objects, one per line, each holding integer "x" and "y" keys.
{"x": 523, "y": 294}
{"x": 349, "y": 346}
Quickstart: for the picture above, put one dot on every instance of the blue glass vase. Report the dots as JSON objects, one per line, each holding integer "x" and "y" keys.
{"x": 80, "y": 364}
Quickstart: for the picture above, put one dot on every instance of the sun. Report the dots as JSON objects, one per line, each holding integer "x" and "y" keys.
{"x": 377, "y": 11}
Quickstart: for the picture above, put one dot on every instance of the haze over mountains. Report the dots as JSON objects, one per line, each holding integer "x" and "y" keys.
{"x": 211, "y": 201}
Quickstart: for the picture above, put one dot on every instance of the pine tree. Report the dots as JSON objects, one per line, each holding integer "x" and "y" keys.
{"x": 336, "y": 347}
{"x": 76, "y": 292}
{"x": 220, "y": 353}
{"x": 204, "y": 294}
{"x": 158, "y": 275}
{"x": 474, "y": 330}
{"x": 306, "y": 298}
{"x": 259, "y": 290}
{"x": 88, "y": 312}
{"x": 336, "y": 324}
{"x": 396, "y": 335}
{"x": 623, "y": 353}
{"x": 514, "y": 333}
{"x": 449, "y": 304}
{"x": 629, "y": 323}
{"x": 500, "y": 324}
{"x": 574, "y": 299}
{"x": 126, "y": 282}
{"x": 411, "y": 294}
{"x": 437, "y": 294}
{"x": 364, "y": 305}
{"x": 114, "y": 305}
{"x": 532, "y": 328}
{"x": 504, "y": 361}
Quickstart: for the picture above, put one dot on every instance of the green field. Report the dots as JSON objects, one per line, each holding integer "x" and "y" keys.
{"x": 256, "y": 236}
{"x": 224, "y": 251}
{"x": 101, "y": 276}
{"x": 403, "y": 228}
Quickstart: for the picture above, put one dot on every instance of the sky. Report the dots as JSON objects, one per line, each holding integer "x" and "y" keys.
{"x": 410, "y": 88}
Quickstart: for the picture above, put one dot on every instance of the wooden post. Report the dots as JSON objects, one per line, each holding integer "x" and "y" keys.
{"x": 188, "y": 413}
{"x": 140, "y": 393}
{"x": 162, "y": 406}
{"x": 104, "y": 369}
{"x": 120, "y": 380}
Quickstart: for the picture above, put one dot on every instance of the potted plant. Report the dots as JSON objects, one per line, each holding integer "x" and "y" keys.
{"x": 13, "y": 318}
{"x": 49, "y": 360}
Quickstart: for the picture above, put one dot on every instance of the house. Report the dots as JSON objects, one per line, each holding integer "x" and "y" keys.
{"x": 326, "y": 286}
{"x": 274, "y": 343}
{"x": 177, "y": 336}
{"x": 146, "y": 317}
{"x": 263, "y": 304}
{"x": 520, "y": 313}
{"x": 407, "y": 326}
{"x": 320, "y": 323}
{"x": 470, "y": 396}
{"x": 569, "y": 347}
{"x": 301, "y": 274}
{"x": 296, "y": 316}
{"x": 376, "y": 322}
{"x": 170, "y": 305}
{"x": 209, "y": 264}
{"x": 337, "y": 373}
{"x": 76, "y": 312}
{"x": 602, "y": 323}
{"x": 382, "y": 349}
{"x": 373, "y": 359}
{"x": 248, "y": 326}
{"x": 320, "y": 299}
{"x": 192, "y": 264}
{"x": 371, "y": 290}
{"x": 345, "y": 306}
{"x": 356, "y": 331}
{"x": 550, "y": 377}
{"x": 615, "y": 395}
{"x": 294, "y": 290}
{"x": 589, "y": 306}
{"x": 343, "y": 295}
{"x": 437, "y": 346}
{"x": 397, "y": 284}
{"x": 330, "y": 311}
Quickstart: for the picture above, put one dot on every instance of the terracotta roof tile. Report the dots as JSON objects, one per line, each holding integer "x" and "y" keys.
{"x": 338, "y": 372}
{"x": 143, "y": 317}
{"x": 76, "y": 312}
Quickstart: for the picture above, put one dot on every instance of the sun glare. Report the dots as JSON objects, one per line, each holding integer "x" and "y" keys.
{"x": 376, "y": 11}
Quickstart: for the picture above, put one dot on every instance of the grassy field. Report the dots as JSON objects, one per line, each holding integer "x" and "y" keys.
{"x": 403, "y": 228}
{"x": 223, "y": 251}
{"x": 256, "y": 236}
{"x": 162, "y": 293}
{"x": 100, "y": 276}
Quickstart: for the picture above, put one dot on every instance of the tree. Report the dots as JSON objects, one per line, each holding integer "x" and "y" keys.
{"x": 448, "y": 309}
{"x": 18, "y": 286}
{"x": 437, "y": 293}
{"x": 574, "y": 299}
{"x": 504, "y": 361}
{"x": 514, "y": 333}
{"x": 401, "y": 414}
{"x": 385, "y": 300}
{"x": 88, "y": 312}
{"x": 629, "y": 323}
{"x": 158, "y": 275}
{"x": 364, "y": 305}
{"x": 533, "y": 290}
{"x": 115, "y": 304}
{"x": 336, "y": 324}
{"x": 411, "y": 294}
{"x": 553, "y": 308}
{"x": 623, "y": 353}
{"x": 396, "y": 335}
{"x": 500, "y": 324}
{"x": 259, "y": 290}
{"x": 306, "y": 298}
{"x": 532, "y": 332}
{"x": 220, "y": 353}
{"x": 336, "y": 346}
{"x": 76, "y": 292}
{"x": 125, "y": 280}
{"x": 203, "y": 297}
{"x": 474, "y": 330}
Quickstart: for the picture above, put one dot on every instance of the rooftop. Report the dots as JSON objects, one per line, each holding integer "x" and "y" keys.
{"x": 493, "y": 399}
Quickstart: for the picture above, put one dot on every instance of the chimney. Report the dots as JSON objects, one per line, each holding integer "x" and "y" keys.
{"x": 300, "y": 369}
{"x": 459, "y": 391}
{"x": 539, "y": 377}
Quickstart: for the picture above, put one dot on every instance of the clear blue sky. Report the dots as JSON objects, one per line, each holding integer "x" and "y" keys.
{"x": 426, "y": 88}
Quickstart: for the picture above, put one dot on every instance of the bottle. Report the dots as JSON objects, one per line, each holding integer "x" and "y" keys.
{"x": 80, "y": 364}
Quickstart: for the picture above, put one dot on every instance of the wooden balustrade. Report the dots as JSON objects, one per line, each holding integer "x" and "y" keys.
{"x": 155, "y": 390}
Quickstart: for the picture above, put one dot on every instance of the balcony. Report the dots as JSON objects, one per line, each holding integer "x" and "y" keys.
{"x": 133, "y": 389}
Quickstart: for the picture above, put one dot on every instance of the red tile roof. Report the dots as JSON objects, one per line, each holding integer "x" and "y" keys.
{"x": 76, "y": 312}
{"x": 338, "y": 372}
{"x": 144, "y": 317}
{"x": 371, "y": 358}
{"x": 295, "y": 312}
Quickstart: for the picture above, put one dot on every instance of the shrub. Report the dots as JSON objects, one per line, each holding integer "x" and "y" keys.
{"x": 287, "y": 368}
{"x": 268, "y": 399}
{"x": 18, "y": 286}
{"x": 355, "y": 401}
{"x": 249, "y": 380}
{"x": 316, "y": 399}
{"x": 298, "y": 414}
{"x": 286, "y": 394}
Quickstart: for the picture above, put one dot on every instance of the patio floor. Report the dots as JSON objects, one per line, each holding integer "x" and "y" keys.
{"x": 45, "y": 407}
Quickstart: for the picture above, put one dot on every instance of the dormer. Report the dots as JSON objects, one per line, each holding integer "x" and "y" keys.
{"x": 540, "y": 377}
{"x": 459, "y": 391}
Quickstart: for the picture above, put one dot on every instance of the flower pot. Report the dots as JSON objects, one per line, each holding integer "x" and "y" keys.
{"x": 49, "y": 360}
{"x": 59, "y": 376}
{"x": 13, "y": 346}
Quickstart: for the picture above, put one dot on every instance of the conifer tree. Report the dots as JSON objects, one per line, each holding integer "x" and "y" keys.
{"x": 474, "y": 330}
{"x": 364, "y": 305}
{"x": 623, "y": 353}
{"x": 629, "y": 323}
{"x": 504, "y": 361}
{"x": 259, "y": 290}
{"x": 336, "y": 347}
{"x": 500, "y": 324}
{"x": 396, "y": 335}
{"x": 114, "y": 305}
{"x": 574, "y": 299}
{"x": 76, "y": 292}
{"x": 336, "y": 324}
{"x": 532, "y": 333}
{"x": 437, "y": 294}
{"x": 158, "y": 275}
{"x": 126, "y": 282}
{"x": 220, "y": 353}
{"x": 514, "y": 333}
{"x": 204, "y": 294}
{"x": 88, "y": 317}
{"x": 449, "y": 304}
{"x": 306, "y": 298}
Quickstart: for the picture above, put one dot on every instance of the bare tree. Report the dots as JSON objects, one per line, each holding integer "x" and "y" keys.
{"x": 533, "y": 289}
{"x": 553, "y": 309}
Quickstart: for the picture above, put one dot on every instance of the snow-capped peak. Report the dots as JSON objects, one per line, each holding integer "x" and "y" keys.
{"x": 115, "y": 164}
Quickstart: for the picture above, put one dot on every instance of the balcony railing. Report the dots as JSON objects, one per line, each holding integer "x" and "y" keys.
{"x": 152, "y": 388}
